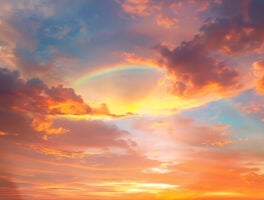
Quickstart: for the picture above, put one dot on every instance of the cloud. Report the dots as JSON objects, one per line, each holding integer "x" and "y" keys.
{"x": 17, "y": 127}
{"x": 196, "y": 73}
{"x": 8, "y": 189}
{"x": 34, "y": 107}
{"x": 37, "y": 100}
{"x": 258, "y": 69}
{"x": 91, "y": 150}
{"x": 165, "y": 21}
{"x": 2, "y": 133}
{"x": 83, "y": 137}
{"x": 41, "y": 103}
{"x": 157, "y": 14}
{"x": 85, "y": 133}
{"x": 35, "y": 97}
{"x": 196, "y": 65}
{"x": 220, "y": 171}
{"x": 137, "y": 8}
{"x": 45, "y": 170}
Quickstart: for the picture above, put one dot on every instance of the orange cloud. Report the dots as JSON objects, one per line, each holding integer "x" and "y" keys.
{"x": 45, "y": 124}
{"x": 166, "y": 22}
{"x": 135, "y": 59}
{"x": 136, "y": 7}
{"x": 34, "y": 97}
{"x": 258, "y": 69}
{"x": 2, "y": 133}
{"x": 36, "y": 100}
{"x": 57, "y": 152}
{"x": 195, "y": 73}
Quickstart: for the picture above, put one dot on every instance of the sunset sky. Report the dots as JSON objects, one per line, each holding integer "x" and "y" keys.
{"x": 132, "y": 100}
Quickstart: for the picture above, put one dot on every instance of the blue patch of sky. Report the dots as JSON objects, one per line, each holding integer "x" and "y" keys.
{"x": 225, "y": 112}
{"x": 75, "y": 22}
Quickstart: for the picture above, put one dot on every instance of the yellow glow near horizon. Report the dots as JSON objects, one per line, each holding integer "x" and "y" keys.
{"x": 223, "y": 193}
{"x": 137, "y": 187}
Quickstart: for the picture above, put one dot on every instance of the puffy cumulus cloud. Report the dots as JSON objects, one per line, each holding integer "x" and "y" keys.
{"x": 37, "y": 100}
{"x": 35, "y": 97}
{"x": 195, "y": 66}
{"x": 195, "y": 73}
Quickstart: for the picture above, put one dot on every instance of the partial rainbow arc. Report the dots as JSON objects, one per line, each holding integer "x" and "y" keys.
{"x": 246, "y": 118}
{"x": 105, "y": 71}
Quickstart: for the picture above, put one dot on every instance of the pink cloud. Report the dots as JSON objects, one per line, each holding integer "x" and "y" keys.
{"x": 166, "y": 22}
{"x": 193, "y": 67}
{"x": 138, "y": 8}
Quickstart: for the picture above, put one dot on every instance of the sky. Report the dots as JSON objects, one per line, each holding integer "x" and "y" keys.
{"x": 131, "y": 100}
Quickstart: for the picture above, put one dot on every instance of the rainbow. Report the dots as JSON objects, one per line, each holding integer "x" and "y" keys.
{"x": 241, "y": 115}
{"x": 105, "y": 71}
